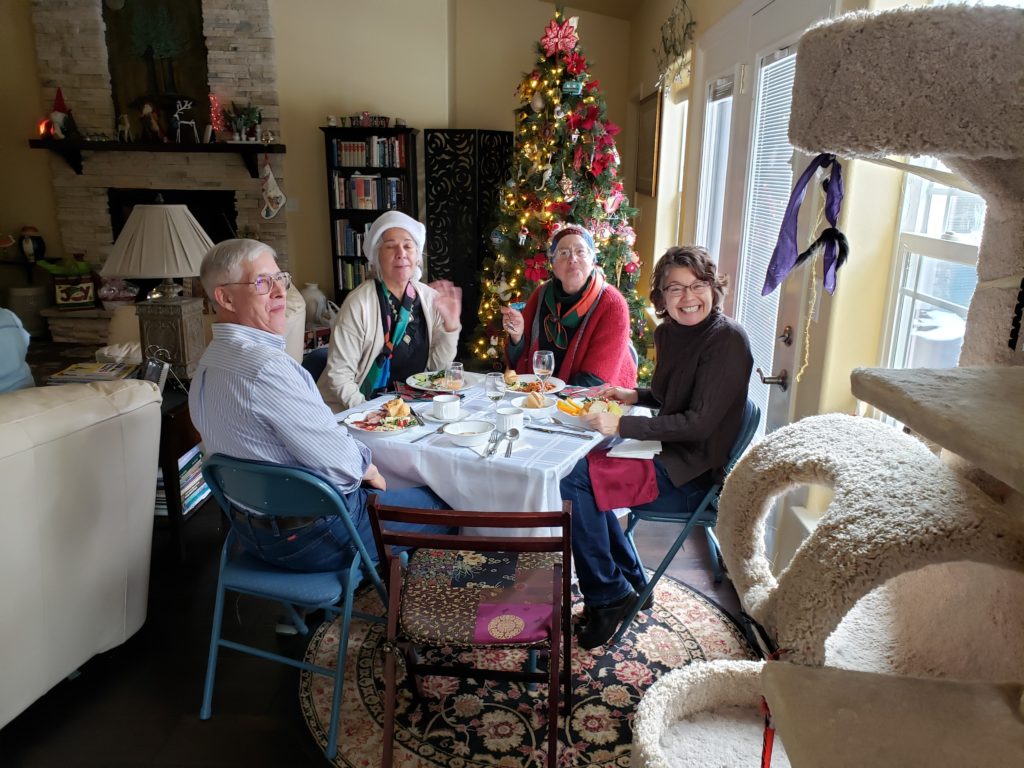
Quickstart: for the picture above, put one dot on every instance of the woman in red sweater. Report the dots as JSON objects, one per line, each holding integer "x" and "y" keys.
{"x": 577, "y": 316}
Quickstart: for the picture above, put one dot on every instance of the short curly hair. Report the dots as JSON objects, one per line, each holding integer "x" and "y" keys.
{"x": 695, "y": 259}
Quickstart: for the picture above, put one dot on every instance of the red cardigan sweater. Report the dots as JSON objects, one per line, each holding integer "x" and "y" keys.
{"x": 600, "y": 346}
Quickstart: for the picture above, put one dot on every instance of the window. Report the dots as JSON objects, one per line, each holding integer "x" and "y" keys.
{"x": 714, "y": 164}
{"x": 937, "y": 254}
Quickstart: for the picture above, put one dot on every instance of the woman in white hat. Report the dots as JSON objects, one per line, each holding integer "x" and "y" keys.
{"x": 392, "y": 326}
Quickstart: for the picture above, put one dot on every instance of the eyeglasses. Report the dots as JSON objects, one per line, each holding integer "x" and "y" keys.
{"x": 675, "y": 290}
{"x": 581, "y": 254}
{"x": 263, "y": 283}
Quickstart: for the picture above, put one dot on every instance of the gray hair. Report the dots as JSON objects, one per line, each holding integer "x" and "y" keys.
{"x": 223, "y": 263}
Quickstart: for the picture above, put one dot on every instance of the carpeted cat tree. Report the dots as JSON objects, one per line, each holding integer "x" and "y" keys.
{"x": 917, "y": 567}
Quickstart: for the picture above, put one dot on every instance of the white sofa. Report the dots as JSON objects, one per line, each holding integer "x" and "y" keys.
{"x": 78, "y": 476}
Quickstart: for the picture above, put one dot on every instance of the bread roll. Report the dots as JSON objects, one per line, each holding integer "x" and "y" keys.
{"x": 534, "y": 400}
{"x": 396, "y": 407}
{"x": 511, "y": 377}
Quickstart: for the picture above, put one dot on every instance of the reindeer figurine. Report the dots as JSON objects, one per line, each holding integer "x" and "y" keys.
{"x": 183, "y": 106}
{"x": 124, "y": 128}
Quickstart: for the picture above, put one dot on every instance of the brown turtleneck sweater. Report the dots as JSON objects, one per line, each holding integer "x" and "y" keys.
{"x": 700, "y": 385}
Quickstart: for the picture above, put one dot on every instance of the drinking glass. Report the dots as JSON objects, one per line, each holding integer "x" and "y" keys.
{"x": 543, "y": 366}
{"x": 494, "y": 388}
{"x": 455, "y": 376}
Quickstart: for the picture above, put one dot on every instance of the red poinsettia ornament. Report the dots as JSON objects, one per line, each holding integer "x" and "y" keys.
{"x": 560, "y": 37}
{"x": 536, "y": 268}
{"x": 575, "y": 62}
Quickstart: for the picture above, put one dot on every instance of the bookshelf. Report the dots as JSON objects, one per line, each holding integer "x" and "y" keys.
{"x": 369, "y": 171}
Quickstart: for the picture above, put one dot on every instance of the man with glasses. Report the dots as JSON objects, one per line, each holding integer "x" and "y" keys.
{"x": 250, "y": 400}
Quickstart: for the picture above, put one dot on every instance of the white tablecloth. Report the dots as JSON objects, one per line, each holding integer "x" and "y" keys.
{"x": 525, "y": 482}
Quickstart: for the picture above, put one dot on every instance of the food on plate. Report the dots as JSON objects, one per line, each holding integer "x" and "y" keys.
{"x": 535, "y": 400}
{"x": 437, "y": 380}
{"x": 600, "y": 405}
{"x": 531, "y": 386}
{"x": 393, "y": 416}
{"x": 396, "y": 407}
{"x": 511, "y": 377}
{"x": 570, "y": 406}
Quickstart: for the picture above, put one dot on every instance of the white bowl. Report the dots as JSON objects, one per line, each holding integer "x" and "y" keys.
{"x": 469, "y": 434}
{"x": 550, "y": 404}
{"x": 577, "y": 421}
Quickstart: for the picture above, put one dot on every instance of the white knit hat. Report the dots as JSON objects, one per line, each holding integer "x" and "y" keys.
{"x": 391, "y": 220}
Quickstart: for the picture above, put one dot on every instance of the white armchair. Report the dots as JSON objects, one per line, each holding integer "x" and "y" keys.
{"x": 78, "y": 473}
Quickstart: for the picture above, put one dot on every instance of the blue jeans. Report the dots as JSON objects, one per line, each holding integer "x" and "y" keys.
{"x": 605, "y": 564}
{"x": 323, "y": 545}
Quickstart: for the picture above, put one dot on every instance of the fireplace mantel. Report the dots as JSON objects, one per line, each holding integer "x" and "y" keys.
{"x": 72, "y": 151}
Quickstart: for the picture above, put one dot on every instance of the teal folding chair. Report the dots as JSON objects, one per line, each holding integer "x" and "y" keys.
{"x": 283, "y": 491}
{"x": 706, "y": 515}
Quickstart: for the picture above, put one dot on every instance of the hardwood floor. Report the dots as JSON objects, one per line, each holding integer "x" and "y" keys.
{"x": 138, "y": 704}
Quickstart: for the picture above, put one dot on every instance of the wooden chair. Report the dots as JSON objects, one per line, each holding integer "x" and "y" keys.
{"x": 283, "y": 491}
{"x": 477, "y": 591}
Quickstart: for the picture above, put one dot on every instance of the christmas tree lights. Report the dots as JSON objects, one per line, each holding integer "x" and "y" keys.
{"x": 564, "y": 169}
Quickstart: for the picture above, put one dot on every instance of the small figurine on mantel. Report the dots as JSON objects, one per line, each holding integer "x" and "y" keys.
{"x": 150, "y": 118}
{"x": 124, "y": 128}
{"x": 177, "y": 121}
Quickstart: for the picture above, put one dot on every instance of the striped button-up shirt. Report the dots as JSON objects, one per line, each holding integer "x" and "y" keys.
{"x": 250, "y": 400}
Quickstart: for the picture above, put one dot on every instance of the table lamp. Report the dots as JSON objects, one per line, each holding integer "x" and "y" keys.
{"x": 164, "y": 241}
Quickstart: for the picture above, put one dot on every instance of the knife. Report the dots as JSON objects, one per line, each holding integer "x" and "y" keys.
{"x": 560, "y": 432}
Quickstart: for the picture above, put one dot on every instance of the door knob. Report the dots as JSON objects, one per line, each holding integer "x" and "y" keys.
{"x": 787, "y": 336}
{"x": 782, "y": 379}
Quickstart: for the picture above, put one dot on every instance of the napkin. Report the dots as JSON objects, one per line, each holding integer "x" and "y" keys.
{"x": 636, "y": 449}
{"x": 517, "y": 446}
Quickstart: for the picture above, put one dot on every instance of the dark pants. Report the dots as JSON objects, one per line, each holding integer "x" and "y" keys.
{"x": 323, "y": 545}
{"x": 605, "y": 564}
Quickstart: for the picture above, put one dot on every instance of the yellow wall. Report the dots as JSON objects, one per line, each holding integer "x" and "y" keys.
{"x": 387, "y": 57}
{"x": 26, "y": 195}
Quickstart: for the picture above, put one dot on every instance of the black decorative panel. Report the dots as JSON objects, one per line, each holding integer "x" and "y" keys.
{"x": 465, "y": 171}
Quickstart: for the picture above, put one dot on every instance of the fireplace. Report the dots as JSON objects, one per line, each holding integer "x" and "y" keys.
{"x": 73, "y": 54}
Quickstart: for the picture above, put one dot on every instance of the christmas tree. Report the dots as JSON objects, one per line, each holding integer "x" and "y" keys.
{"x": 564, "y": 170}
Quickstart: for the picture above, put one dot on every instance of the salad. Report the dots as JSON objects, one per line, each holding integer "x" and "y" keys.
{"x": 436, "y": 380}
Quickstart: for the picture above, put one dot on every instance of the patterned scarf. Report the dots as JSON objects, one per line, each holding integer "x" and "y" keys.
{"x": 380, "y": 372}
{"x": 559, "y": 323}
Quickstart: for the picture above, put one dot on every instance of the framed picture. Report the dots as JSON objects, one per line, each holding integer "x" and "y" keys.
{"x": 648, "y": 139}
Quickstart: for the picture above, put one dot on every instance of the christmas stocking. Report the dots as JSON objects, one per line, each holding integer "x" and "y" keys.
{"x": 273, "y": 197}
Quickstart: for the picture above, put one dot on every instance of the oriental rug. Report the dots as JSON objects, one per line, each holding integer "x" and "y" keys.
{"x": 504, "y": 725}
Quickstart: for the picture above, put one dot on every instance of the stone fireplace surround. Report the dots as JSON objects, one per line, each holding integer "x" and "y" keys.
{"x": 72, "y": 55}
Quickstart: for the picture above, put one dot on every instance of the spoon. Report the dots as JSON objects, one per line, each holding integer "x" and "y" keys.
{"x": 512, "y": 435}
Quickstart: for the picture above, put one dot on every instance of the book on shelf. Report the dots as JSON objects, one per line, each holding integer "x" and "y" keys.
{"x": 194, "y": 490}
{"x": 84, "y": 373}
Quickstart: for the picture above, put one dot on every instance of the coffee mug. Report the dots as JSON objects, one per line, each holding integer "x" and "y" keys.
{"x": 446, "y": 407}
{"x": 509, "y": 418}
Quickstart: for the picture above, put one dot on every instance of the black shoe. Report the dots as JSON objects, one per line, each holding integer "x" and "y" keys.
{"x": 583, "y": 616}
{"x": 602, "y": 622}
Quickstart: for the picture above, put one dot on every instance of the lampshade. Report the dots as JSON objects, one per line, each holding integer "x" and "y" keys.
{"x": 158, "y": 241}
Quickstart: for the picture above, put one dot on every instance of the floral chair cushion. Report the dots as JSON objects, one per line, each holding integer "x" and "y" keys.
{"x": 467, "y": 598}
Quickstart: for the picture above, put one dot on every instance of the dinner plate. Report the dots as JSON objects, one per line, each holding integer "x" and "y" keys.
{"x": 469, "y": 380}
{"x": 555, "y": 384}
{"x": 352, "y": 418}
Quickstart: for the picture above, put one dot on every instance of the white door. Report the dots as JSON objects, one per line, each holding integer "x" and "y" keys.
{"x": 746, "y": 64}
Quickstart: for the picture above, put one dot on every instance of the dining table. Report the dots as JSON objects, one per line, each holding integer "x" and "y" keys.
{"x": 525, "y": 481}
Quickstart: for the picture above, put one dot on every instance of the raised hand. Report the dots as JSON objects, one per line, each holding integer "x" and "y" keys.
{"x": 448, "y": 303}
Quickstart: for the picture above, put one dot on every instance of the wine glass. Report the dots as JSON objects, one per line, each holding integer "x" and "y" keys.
{"x": 494, "y": 388}
{"x": 454, "y": 377}
{"x": 543, "y": 366}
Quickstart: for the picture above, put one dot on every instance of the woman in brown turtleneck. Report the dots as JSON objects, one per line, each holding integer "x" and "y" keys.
{"x": 700, "y": 389}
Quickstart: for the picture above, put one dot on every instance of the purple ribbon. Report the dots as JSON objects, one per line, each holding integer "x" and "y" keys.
{"x": 785, "y": 256}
